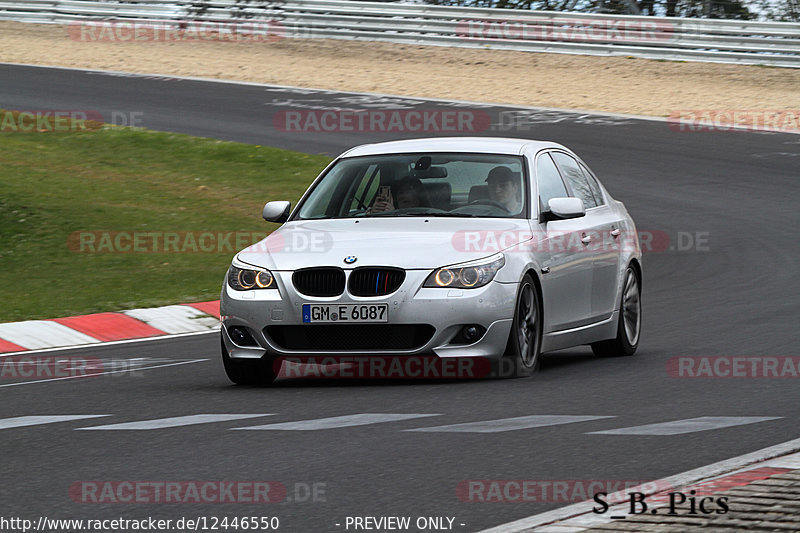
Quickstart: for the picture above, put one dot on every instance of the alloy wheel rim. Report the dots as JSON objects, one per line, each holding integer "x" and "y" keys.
{"x": 527, "y": 324}
{"x": 631, "y": 308}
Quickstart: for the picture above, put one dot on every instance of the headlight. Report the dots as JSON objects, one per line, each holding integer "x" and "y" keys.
{"x": 467, "y": 275}
{"x": 243, "y": 279}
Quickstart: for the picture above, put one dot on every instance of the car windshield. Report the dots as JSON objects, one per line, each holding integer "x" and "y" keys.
{"x": 420, "y": 184}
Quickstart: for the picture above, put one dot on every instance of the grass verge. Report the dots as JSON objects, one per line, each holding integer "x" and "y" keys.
{"x": 71, "y": 204}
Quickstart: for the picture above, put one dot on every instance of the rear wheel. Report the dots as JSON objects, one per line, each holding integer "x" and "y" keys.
{"x": 258, "y": 372}
{"x": 630, "y": 321}
{"x": 523, "y": 350}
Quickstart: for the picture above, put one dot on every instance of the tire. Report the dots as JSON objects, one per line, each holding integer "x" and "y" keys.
{"x": 258, "y": 372}
{"x": 523, "y": 350}
{"x": 629, "y": 327}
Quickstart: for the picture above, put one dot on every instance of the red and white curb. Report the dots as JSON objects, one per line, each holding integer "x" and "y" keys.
{"x": 720, "y": 476}
{"x": 107, "y": 327}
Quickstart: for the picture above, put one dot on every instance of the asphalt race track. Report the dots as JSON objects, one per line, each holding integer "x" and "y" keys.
{"x": 724, "y": 285}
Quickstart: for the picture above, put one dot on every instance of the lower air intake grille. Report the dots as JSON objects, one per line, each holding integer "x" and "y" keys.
{"x": 350, "y": 337}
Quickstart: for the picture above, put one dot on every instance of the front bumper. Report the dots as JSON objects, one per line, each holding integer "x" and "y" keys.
{"x": 434, "y": 316}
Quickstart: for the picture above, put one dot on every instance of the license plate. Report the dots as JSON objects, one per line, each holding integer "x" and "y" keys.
{"x": 344, "y": 313}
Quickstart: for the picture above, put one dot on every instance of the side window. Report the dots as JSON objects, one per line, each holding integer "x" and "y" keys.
{"x": 596, "y": 192}
{"x": 550, "y": 183}
{"x": 574, "y": 176}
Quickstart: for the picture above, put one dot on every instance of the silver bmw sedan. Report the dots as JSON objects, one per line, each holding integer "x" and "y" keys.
{"x": 474, "y": 248}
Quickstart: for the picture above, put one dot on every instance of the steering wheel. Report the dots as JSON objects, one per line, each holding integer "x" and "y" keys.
{"x": 487, "y": 201}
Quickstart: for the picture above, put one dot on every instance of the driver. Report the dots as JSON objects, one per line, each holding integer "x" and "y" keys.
{"x": 504, "y": 188}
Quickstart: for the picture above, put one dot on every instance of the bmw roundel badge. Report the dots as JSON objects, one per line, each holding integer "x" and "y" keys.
{"x": 350, "y": 259}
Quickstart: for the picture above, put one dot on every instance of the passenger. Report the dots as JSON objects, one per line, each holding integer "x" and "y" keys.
{"x": 504, "y": 188}
{"x": 406, "y": 192}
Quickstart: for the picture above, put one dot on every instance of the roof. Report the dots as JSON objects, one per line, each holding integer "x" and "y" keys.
{"x": 487, "y": 145}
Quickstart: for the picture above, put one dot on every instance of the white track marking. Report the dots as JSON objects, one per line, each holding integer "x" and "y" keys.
{"x": 789, "y": 461}
{"x": 175, "y": 421}
{"x": 360, "y": 419}
{"x": 510, "y": 424}
{"x": 175, "y": 318}
{"x": 36, "y": 420}
{"x": 108, "y": 343}
{"x": 33, "y": 334}
{"x": 690, "y": 425}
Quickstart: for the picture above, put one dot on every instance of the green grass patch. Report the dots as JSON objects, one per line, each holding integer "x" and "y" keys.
{"x": 57, "y": 188}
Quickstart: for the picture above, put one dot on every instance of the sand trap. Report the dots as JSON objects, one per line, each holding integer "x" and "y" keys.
{"x": 622, "y": 85}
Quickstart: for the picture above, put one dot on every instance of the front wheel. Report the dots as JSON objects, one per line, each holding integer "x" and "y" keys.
{"x": 630, "y": 321}
{"x": 258, "y": 372}
{"x": 523, "y": 350}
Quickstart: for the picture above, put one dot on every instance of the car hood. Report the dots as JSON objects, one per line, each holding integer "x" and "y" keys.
{"x": 407, "y": 242}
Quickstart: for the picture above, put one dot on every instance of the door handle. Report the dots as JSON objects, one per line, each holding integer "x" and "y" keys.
{"x": 615, "y": 233}
{"x": 586, "y": 239}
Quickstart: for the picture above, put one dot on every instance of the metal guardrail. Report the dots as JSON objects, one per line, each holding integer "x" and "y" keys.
{"x": 733, "y": 41}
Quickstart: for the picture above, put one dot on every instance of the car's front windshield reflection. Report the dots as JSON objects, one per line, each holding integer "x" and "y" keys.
{"x": 420, "y": 184}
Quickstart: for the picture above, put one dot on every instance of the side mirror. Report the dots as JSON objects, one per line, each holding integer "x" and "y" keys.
{"x": 564, "y": 208}
{"x": 276, "y": 211}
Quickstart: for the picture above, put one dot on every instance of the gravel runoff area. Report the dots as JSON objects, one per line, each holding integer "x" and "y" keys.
{"x": 610, "y": 84}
